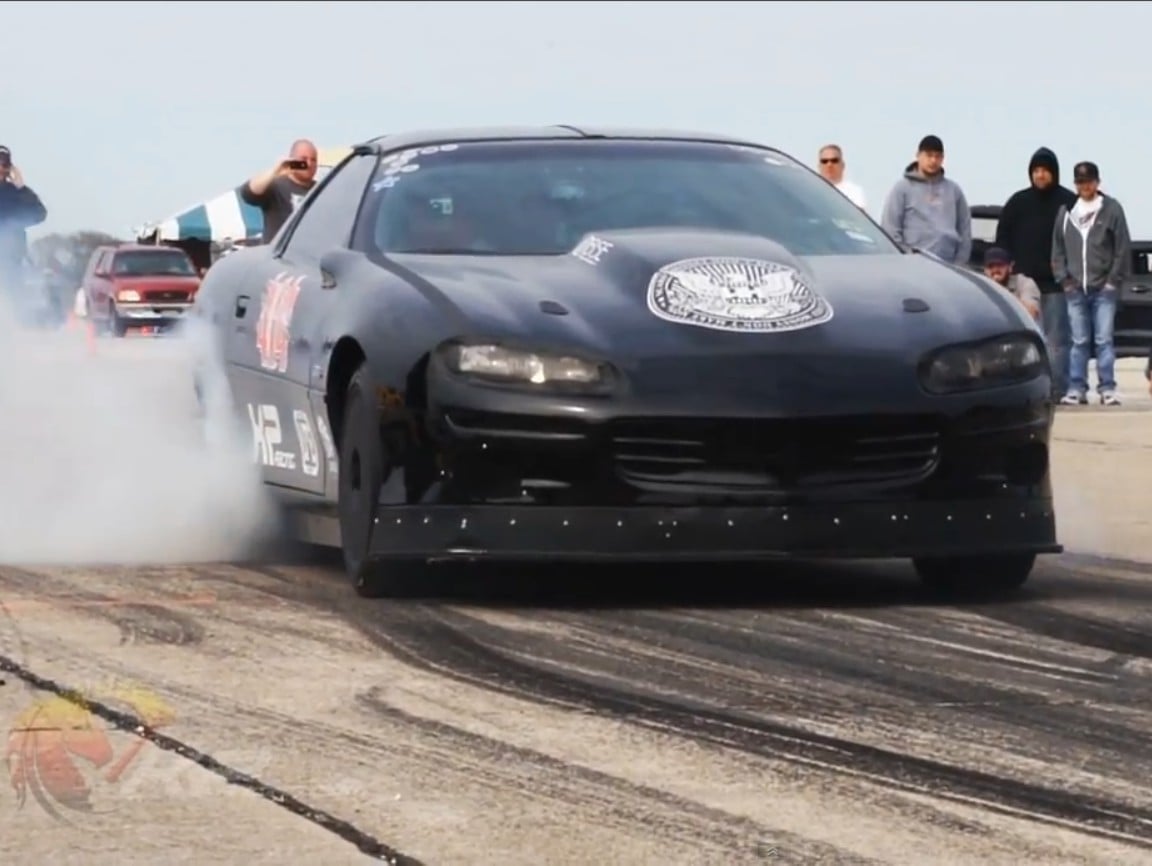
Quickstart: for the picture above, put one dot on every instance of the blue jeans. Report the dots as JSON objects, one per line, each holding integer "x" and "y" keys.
{"x": 1092, "y": 315}
{"x": 1058, "y": 335}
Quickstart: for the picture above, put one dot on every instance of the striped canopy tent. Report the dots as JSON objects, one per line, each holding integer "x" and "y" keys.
{"x": 226, "y": 217}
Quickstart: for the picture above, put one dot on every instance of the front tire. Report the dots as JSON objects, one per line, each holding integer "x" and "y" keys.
{"x": 117, "y": 326}
{"x": 363, "y": 466}
{"x": 975, "y": 575}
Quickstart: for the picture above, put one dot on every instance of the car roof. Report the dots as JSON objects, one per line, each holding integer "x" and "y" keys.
{"x": 425, "y": 137}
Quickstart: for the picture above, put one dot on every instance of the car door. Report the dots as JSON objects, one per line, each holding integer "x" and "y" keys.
{"x": 1133, "y": 326}
{"x": 278, "y": 362}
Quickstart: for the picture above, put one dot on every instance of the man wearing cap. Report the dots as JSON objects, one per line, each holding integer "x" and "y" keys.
{"x": 1025, "y": 231}
{"x": 1091, "y": 257}
{"x": 929, "y": 211}
{"x": 20, "y": 209}
{"x": 998, "y": 268}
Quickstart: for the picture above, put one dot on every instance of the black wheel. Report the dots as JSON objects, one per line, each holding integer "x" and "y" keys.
{"x": 975, "y": 575}
{"x": 363, "y": 464}
{"x": 117, "y": 327}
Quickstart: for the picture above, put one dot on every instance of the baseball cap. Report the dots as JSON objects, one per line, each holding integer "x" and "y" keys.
{"x": 997, "y": 256}
{"x": 5, "y": 155}
{"x": 1085, "y": 171}
{"x": 930, "y": 144}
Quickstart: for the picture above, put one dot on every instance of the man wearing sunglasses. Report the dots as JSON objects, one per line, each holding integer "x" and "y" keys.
{"x": 832, "y": 168}
{"x": 279, "y": 190}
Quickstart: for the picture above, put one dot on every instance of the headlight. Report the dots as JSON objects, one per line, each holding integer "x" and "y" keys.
{"x": 489, "y": 361}
{"x": 128, "y": 296}
{"x": 1002, "y": 361}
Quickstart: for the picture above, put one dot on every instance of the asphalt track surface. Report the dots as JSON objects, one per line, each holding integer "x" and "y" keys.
{"x": 791, "y": 714}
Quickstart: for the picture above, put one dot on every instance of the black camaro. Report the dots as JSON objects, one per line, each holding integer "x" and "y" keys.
{"x": 570, "y": 344}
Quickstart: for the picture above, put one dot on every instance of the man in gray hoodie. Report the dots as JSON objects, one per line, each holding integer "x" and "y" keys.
{"x": 1091, "y": 257}
{"x": 929, "y": 211}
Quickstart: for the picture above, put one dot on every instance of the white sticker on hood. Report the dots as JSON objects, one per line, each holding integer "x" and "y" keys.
{"x": 736, "y": 294}
{"x": 592, "y": 249}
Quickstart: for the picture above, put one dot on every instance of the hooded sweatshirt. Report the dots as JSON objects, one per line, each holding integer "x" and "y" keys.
{"x": 1091, "y": 247}
{"x": 930, "y": 213}
{"x": 1026, "y": 221}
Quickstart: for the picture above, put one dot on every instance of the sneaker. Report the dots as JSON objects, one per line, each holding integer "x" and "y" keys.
{"x": 1109, "y": 398}
{"x": 1074, "y": 398}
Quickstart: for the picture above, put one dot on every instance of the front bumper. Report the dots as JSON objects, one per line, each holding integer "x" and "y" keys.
{"x": 716, "y": 533}
{"x": 162, "y": 311}
{"x": 503, "y": 475}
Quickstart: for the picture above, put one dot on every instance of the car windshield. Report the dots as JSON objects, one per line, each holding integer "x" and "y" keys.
{"x": 153, "y": 264}
{"x": 541, "y": 198}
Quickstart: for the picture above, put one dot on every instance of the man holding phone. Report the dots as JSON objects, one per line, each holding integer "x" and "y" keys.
{"x": 20, "y": 209}
{"x": 279, "y": 190}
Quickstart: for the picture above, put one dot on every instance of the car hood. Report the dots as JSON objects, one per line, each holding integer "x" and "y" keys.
{"x": 886, "y": 310}
{"x": 880, "y": 303}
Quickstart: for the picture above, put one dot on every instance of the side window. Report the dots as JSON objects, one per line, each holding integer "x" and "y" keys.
{"x": 327, "y": 216}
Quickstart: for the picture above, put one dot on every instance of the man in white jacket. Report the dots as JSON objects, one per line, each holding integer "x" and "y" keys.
{"x": 832, "y": 167}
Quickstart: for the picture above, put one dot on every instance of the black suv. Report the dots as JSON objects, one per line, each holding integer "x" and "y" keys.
{"x": 1134, "y": 313}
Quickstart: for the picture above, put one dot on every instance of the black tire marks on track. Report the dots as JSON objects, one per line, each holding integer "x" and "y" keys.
{"x": 138, "y": 622}
{"x": 1115, "y": 637}
{"x": 624, "y": 804}
{"x": 912, "y": 685}
{"x": 631, "y": 805}
{"x": 439, "y": 641}
{"x": 483, "y": 761}
{"x": 135, "y": 726}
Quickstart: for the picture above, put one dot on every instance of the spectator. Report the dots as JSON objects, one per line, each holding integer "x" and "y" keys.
{"x": 832, "y": 166}
{"x": 1091, "y": 256}
{"x": 20, "y": 209}
{"x": 280, "y": 189}
{"x": 998, "y": 268}
{"x": 929, "y": 211}
{"x": 1025, "y": 231}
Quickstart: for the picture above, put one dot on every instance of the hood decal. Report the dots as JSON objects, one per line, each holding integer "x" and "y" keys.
{"x": 736, "y": 294}
{"x": 591, "y": 249}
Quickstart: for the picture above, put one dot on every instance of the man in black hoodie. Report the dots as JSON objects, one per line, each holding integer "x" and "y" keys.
{"x": 1025, "y": 230}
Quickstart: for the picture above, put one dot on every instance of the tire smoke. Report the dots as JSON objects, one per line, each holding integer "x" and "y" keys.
{"x": 106, "y": 457}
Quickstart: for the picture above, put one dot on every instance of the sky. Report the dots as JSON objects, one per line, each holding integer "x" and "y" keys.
{"x": 120, "y": 114}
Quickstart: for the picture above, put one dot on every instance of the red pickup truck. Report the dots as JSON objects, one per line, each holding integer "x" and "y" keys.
{"x": 133, "y": 285}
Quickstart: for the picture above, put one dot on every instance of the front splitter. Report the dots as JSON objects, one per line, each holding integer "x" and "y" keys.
{"x": 851, "y": 531}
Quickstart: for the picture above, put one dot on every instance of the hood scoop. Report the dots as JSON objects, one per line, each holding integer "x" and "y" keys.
{"x": 915, "y": 305}
{"x": 553, "y": 308}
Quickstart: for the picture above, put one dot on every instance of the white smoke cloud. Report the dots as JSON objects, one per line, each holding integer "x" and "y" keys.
{"x": 105, "y": 461}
